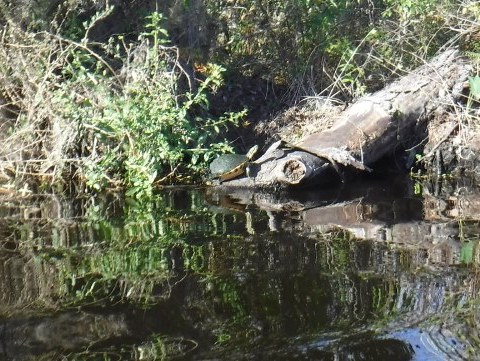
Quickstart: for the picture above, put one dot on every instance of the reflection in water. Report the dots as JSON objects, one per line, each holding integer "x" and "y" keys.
{"x": 22, "y": 338}
{"x": 370, "y": 272}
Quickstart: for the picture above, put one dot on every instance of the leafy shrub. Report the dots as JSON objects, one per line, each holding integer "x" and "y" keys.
{"x": 128, "y": 121}
{"x": 292, "y": 42}
{"x": 338, "y": 48}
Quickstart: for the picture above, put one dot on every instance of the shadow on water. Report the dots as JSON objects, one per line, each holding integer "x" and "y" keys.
{"x": 372, "y": 271}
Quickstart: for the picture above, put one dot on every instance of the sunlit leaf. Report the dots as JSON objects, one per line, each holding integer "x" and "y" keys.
{"x": 474, "y": 82}
{"x": 466, "y": 252}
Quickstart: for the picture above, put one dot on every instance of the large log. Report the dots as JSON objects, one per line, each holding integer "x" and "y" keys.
{"x": 368, "y": 130}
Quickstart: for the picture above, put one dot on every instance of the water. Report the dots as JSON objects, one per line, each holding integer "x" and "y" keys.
{"x": 370, "y": 271}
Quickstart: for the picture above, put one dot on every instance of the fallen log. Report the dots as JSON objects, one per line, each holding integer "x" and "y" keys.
{"x": 368, "y": 130}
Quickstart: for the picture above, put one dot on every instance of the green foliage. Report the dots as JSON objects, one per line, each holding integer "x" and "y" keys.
{"x": 421, "y": 26}
{"x": 142, "y": 126}
{"x": 356, "y": 44}
{"x": 418, "y": 189}
{"x": 282, "y": 39}
{"x": 474, "y": 82}
{"x": 467, "y": 252}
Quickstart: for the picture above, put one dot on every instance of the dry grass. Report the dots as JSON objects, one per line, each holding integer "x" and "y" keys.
{"x": 34, "y": 139}
{"x": 312, "y": 115}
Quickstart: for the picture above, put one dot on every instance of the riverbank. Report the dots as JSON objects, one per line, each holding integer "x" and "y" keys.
{"x": 86, "y": 107}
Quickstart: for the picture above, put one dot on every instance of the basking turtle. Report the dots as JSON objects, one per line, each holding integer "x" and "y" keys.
{"x": 230, "y": 166}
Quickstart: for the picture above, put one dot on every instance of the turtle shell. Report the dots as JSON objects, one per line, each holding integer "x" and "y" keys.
{"x": 228, "y": 166}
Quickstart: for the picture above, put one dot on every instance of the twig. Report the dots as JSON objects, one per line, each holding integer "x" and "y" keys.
{"x": 87, "y": 49}
{"x": 160, "y": 181}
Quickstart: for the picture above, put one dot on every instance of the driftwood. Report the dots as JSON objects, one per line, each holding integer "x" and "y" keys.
{"x": 368, "y": 130}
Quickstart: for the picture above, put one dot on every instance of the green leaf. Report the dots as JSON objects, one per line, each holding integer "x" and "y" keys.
{"x": 474, "y": 82}
{"x": 467, "y": 252}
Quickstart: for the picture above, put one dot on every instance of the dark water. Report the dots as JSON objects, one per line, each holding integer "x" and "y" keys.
{"x": 377, "y": 270}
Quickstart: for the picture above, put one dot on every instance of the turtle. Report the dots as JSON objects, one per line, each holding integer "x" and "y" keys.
{"x": 230, "y": 166}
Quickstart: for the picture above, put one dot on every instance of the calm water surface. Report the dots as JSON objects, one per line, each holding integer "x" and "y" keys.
{"x": 376, "y": 270}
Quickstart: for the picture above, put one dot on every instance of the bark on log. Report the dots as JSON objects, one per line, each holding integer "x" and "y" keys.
{"x": 368, "y": 130}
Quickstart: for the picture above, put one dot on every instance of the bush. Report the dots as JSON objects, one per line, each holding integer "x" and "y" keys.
{"x": 116, "y": 109}
{"x": 338, "y": 48}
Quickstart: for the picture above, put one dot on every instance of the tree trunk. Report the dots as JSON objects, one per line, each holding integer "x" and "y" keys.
{"x": 375, "y": 126}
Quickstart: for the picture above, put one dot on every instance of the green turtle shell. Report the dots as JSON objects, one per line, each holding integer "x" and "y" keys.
{"x": 230, "y": 166}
